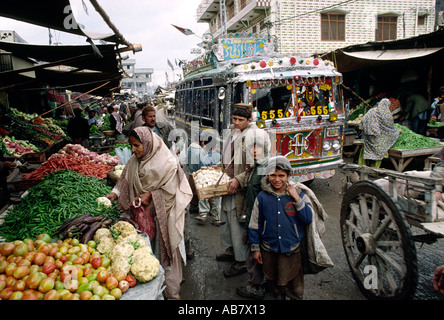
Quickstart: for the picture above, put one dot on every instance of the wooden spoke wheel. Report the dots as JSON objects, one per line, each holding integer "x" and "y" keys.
{"x": 378, "y": 243}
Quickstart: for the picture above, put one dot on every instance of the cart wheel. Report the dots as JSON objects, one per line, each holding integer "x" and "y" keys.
{"x": 378, "y": 244}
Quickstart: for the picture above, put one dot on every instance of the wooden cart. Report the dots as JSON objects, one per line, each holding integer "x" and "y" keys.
{"x": 379, "y": 209}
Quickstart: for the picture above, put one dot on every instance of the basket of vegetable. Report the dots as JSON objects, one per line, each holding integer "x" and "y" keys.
{"x": 207, "y": 182}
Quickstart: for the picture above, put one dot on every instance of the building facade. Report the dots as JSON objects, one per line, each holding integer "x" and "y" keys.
{"x": 307, "y": 27}
{"x": 138, "y": 80}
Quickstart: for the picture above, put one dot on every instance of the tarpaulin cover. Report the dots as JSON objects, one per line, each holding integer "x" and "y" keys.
{"x": 50, "y": 14}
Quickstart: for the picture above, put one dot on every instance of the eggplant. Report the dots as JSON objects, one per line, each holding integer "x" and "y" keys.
{"x": 89, "y": 234}
{"x": 69, "y": 222}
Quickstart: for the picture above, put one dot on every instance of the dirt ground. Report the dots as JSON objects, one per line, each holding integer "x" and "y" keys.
{"x": 204, "y": 279}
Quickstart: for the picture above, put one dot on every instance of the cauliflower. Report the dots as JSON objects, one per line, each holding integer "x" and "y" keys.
{"x": 122, "y": 229}
{"x": 145, "y": 266}
{"x": 104, "y": 201}
{"x": 140, "y": 253}
{"x": 105, "y": 245}
{"x": 121, "y": 264}
{"x": 121, "y": 250}
{"x": 102, "y": 233}
{"x": 135, "y": 240}
{"x": 118, "y": 170}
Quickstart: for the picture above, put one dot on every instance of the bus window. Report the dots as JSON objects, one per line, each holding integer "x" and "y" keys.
{"x": 279, "y": 102}
{"x": 212, "y": 103}
{"x": 239, "y": 93}
{"x": 197, "y": 103}
{"x": 271, "y": 102}
{"x": 188, "y": 101}
{"x": 206, "y": 104}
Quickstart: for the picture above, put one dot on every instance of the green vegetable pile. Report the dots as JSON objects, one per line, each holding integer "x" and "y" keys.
{"x": 410, "y": 140}
{"x": 435, "y": 124}
{"x": 62, "y": 195}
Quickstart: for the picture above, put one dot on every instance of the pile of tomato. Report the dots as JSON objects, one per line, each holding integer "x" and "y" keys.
{"x": 42, "y": 269}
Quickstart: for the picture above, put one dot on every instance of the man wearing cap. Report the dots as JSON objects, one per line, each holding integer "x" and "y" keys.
{"x": 234, "y": 158}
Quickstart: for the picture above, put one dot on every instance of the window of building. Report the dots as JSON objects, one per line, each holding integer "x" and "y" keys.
{"x": 332, "y": 27}
{"x": 386, "y": 28}
{"x": 421, "y": 20}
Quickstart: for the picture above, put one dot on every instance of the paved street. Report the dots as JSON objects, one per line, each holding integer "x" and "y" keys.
{"x": 204, "y": 279}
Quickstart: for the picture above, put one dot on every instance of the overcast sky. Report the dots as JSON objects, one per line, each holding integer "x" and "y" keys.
{"x": 147, "y": 22}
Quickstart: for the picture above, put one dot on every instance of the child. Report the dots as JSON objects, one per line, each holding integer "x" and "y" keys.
{"x": 257, "y": 143}
{"x": 279, "y": 215}
{"x": 211, "y": 206}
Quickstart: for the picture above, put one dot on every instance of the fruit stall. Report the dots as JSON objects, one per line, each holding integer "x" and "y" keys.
{"x": 29, "y": 137}
{"x": 65, "y": 241}
{"x": 61, "y": 239}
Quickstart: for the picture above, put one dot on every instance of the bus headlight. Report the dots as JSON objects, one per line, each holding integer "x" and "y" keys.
{"x": 326, "y": 145}
{"x": 336, "y": 145}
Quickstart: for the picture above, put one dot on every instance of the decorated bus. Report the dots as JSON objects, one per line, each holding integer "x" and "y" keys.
{"x": 297, "y": 100}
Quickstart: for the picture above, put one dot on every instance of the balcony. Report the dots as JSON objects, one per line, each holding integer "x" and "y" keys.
{"x": 248, "y": 11}
{"x": 240, "y": 13}
{"x": 207, "y": 10}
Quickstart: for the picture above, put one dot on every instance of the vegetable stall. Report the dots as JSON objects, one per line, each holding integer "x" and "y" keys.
{"x": 63, "y": 242}
{"x": 409, "y": 146}
{"x": 26, "y": 136}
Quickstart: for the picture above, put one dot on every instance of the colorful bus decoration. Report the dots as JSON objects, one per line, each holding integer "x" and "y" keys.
{"x": 297, "y": 100}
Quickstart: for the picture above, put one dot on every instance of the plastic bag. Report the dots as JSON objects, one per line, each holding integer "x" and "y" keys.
{"x": 143, "y": 217}
{"x": 124, "y": 154}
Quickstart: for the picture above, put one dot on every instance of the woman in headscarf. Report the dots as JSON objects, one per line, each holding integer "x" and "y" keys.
{"x": 154, "y": 174}
{"x": 380, "y": 134}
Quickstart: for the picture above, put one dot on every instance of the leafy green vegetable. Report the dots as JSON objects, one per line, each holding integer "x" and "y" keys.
{"x": 61, "y": 195}
{"x": 410, "y": 140}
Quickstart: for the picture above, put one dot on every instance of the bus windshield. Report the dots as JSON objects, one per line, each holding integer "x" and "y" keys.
{"x": 279, "y": 101}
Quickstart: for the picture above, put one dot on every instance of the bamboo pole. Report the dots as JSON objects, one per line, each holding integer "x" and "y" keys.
{"x": 64, "y": 104}
{"x": 362, "y": 100}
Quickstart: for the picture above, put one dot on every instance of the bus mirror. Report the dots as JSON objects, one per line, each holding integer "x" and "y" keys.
{"x": 260, "y": 124}
{"x": 221, "y": 93}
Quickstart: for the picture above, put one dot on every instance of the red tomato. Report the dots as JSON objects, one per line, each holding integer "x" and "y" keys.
{"x": 102, "y": 276}
{"x": 96, "y": 262}
{"x": 39, "y": 258}
{"x": 48, "y": 268}
{"x": 131, "y": 280}
{"x": 6, "y": 249}
{"x": 111, "y": 283}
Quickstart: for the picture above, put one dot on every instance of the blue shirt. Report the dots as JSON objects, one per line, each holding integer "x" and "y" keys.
{"x": 277, "y": 222}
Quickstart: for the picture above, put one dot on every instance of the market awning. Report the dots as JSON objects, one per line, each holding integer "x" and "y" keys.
{"x": 79, "y": 57}
{"x": 347, "y": 61}
{"x": 57, "y": 15}
{"x": 76, "y": 68}
{"x": 390, "y": 55}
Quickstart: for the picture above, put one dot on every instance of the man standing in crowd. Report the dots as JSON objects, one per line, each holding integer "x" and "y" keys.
{"x": 162, "y": 129}
{"x": 234, "y": 204}
{"x": 78, "y": 129}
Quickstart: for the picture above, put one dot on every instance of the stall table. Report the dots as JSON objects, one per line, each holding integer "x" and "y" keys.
{"x": 402, "y": 158}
